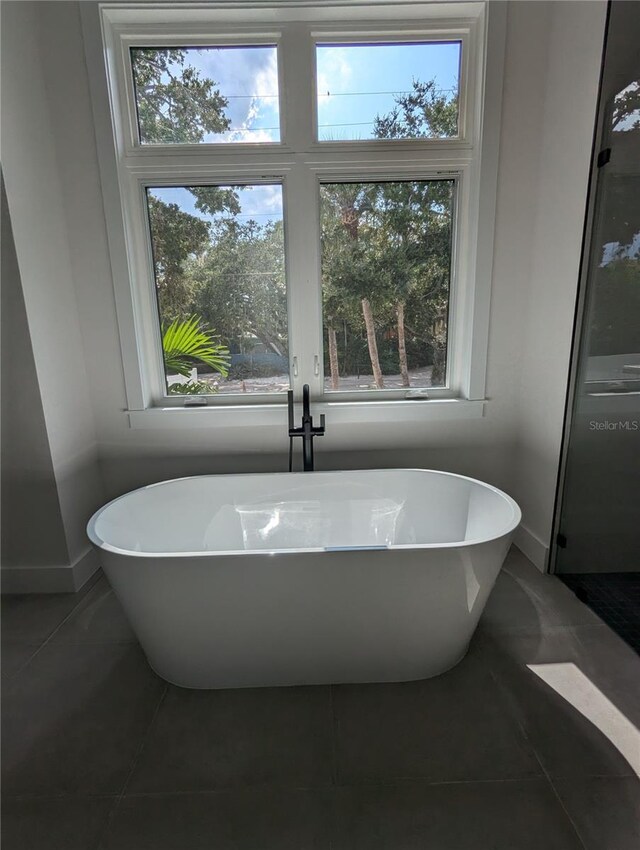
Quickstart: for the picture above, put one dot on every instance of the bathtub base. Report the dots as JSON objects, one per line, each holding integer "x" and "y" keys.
{"x": 307, "y": 618}
{"x": 307, "y": 680}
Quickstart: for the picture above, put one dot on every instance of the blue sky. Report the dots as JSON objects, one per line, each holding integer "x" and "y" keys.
{"x": 354, "y": 84}
{"x": 262, "y": 203}
{"x": 248, "y": 78}
{"x": 357, "y": 82}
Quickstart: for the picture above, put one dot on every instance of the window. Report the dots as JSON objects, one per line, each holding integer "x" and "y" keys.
{"x": 307, "y": 197}
{"x": 218, "y": 258}
{"x": 387, "y": 91}
{"x": 386, "y": 266}
{"x": 207, "y": 95}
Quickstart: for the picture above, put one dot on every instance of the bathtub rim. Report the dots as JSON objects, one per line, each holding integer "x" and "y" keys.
{"x": 104, "y": 546}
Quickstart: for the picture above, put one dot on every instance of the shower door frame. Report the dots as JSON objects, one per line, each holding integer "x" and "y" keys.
{"x": 578, "y": 338}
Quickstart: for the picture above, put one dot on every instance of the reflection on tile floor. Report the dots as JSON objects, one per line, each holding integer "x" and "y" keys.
{"x": 530, "y": 741}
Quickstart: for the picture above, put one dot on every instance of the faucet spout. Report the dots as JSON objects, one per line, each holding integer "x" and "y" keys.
{"x": 306, "y": 413}
{"x": 307, "y": 430}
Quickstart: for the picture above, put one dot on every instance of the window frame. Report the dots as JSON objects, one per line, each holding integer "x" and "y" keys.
{"x": 401, "y": 35}
{"x": 126, "y": 84}
{"x": 301, "y": 163}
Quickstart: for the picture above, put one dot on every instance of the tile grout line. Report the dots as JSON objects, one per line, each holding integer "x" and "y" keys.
{"x": 334, "y": 771}
{"x": 334, "y": 742}
{"x": 396, "y": 782}
{"x": 562, "y": 805}
{"x": 102, "y": 835}
{"x": 557, "y": 796}
{"x": 545, "y": 773}
{"x": 57, "y": 628}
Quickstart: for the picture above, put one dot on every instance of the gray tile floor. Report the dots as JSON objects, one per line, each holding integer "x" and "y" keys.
{"x": 497, "y": 754}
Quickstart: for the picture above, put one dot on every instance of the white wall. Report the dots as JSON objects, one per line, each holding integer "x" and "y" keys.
{"x": 34, "y": 192}
{"x": 566, "y": 125}
{"x": 543, "y": 167}
{"x": 29, "y": 490}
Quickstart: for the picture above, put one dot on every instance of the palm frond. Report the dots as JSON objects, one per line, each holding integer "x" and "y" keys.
{"x": 186, "y": 341}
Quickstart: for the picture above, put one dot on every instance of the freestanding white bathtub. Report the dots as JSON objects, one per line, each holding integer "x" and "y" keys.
{"x": 305, "y": 578}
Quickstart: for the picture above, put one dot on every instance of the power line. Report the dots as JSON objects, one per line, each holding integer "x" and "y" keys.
{"x": 249, "y": 129}
{"x": 239, "y": 96}
{"x": 363, "y": 93}
{"x": 333, "y": 94}
{"x": 250, "y": 215}
{"x": 348, "y": 124}
{"x": 336, "y": 94}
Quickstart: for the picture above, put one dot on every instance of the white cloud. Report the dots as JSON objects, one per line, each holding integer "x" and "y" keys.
{"x": 263, "y": 105}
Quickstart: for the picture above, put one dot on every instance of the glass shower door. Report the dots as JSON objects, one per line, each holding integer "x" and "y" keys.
{"x": 599, "y": 527}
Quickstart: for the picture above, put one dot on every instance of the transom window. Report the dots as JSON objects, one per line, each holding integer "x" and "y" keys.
{"x": 208, "y": 95}
{"x": 400, "y": 90}
{"x": 300, "y": 196}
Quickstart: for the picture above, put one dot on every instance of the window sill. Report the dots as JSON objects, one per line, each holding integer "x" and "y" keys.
{"x": 364, "y": 414}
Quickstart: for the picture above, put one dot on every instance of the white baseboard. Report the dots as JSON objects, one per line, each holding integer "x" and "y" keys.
{"x": 67, "y": 579}
{"x": 531, "y": 546}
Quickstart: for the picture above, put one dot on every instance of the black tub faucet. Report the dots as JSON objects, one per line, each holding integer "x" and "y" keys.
{"x": 307, "y": 431}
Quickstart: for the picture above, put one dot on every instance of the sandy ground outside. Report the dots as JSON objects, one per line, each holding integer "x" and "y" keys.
{"x": 280, "y": 383}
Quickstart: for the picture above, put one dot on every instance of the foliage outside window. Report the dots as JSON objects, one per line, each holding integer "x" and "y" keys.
{"x": 219, "y": 250}
{"x": 328, "y": 237}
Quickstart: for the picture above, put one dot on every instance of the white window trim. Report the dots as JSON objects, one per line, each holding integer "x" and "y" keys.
{"x": 127, "y": 167}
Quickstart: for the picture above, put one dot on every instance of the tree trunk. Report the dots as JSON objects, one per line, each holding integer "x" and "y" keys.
{"x": 437, "y": 372}
{"x": 333, "y": 358}
{"x": 439, "y": 352}
{"x": 402, "y": 349}
{"x": 373, "y": 345}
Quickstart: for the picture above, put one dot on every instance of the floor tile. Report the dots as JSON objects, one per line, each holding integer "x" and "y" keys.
{"x": 206, "y": 740}
{"x": 575, "y": 693}
{"x": 53, "y": 824}
{"x": 456, "y": 816}
{"x": 32, "y": 617}
{"x": 452, "y": 727}
{"x": 14, "y": 655}
{"x": 74, "y": 719}
{"x": 98, "y": 618}
{"x": 267, "y": 819}
{"x": 605, "y": 811}
{"x": 526, "y": 601}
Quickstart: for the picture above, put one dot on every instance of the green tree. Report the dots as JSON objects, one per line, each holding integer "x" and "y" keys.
{"x": 175, "y": 104}
{"x": 416, "y": 226}
{"x": 189, "y": 341}
{"x": 175, "y": 235}
{"x": 347, "y": 267}
{"x": 240, "y": 284}
{"x": 386, "y": 247}
{"x": 423, "y": 113}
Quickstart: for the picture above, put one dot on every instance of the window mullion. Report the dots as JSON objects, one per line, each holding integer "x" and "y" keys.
{"x": 305, "y": 297}
{"x": 302, "y": 214}
{"x": 298, "y": 85}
